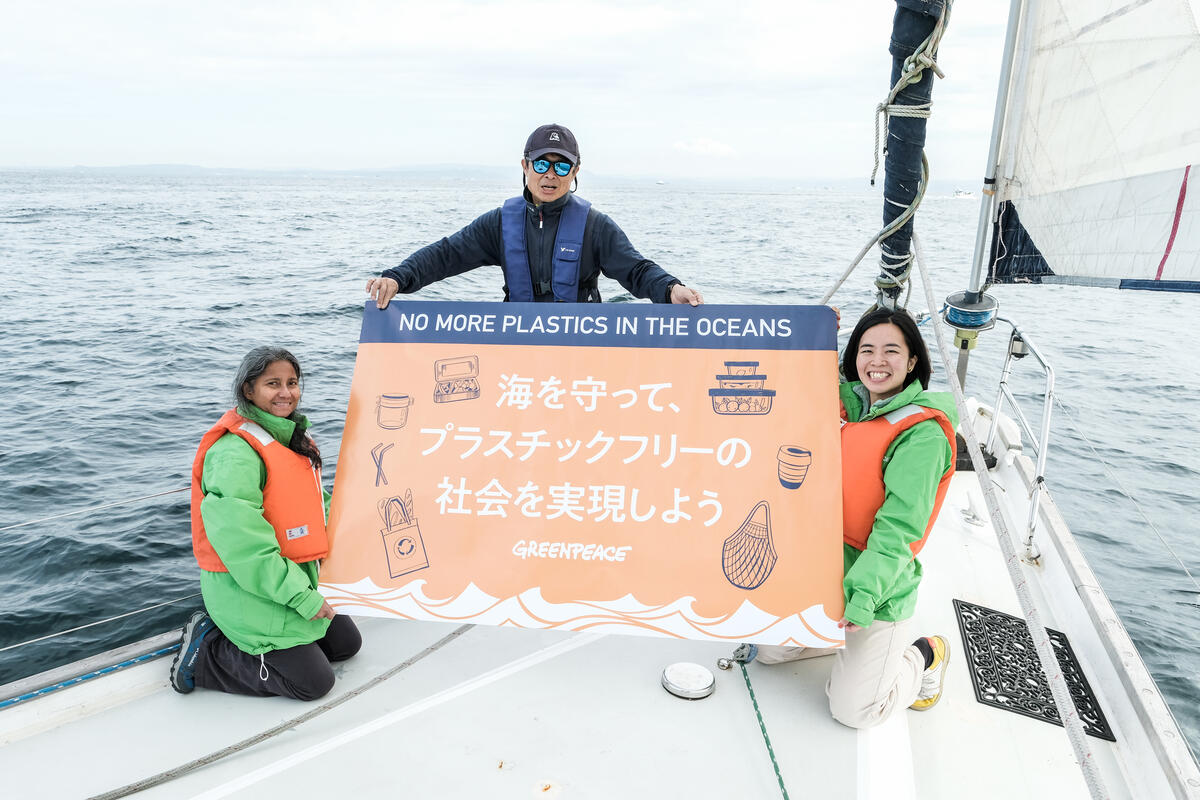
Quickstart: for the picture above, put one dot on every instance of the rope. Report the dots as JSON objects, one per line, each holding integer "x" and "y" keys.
{"x": 887, "y": 231}
{"x": 172, "y": 774}
{"x": 1128, "y": 496}
{"x": 94, "y": 508}
{"x": 78, "y": 679}
{"x": 1067, "y": 712}
{"x": 763, "y": 727}
{"x": 100, "y": 622}
{"x": 924, "y": 57}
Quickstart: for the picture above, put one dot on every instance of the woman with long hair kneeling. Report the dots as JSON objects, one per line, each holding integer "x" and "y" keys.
{"x": 898, "y": 454}
{"x": 258, "y": 533}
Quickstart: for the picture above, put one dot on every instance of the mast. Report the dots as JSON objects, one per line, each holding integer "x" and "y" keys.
{"x": 973, "y": 311}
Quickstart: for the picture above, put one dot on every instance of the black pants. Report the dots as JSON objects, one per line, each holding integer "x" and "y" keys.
{"x": 302, "y": 672}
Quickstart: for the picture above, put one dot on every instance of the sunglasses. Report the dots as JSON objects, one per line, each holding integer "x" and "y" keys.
{"x": 561, "y": 168}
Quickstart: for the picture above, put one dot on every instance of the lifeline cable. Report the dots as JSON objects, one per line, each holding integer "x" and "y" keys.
{"x": 1067, "y": 712}
{"x": 130, "y": 501}
{"x": 1128, "y": 495}
{"x": 99, "y": 622}
{"x": 94, "y": 508}
{"x": 172, "y": 774}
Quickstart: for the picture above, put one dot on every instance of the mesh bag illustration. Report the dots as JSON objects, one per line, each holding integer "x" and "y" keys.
{"x": 402, "y": 540}
{"x": 748, "y": 555}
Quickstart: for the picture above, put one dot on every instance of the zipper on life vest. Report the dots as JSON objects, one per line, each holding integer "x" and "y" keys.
{"x": 539, "y": 218}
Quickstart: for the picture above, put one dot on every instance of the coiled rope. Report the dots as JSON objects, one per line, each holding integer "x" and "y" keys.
{"x": 895, "y": 271}
{"x": 1067, "y": 712}
{"x": 924, "y": 57}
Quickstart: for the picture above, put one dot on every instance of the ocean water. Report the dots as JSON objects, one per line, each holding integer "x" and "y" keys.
{"x": 128, "y": 298}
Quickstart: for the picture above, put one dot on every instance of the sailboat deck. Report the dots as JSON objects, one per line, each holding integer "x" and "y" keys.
{"x": 520, "y": 713}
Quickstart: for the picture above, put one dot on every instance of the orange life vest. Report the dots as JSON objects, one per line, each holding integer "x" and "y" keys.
{"x": 293, "y": 501}
{"x": 863, "y": 447}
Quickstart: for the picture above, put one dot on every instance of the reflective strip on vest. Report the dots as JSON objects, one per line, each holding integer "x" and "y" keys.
{"x": 864, "y": 445}
{"x": 567, "y": 257}
{"x": 293, "y": 501}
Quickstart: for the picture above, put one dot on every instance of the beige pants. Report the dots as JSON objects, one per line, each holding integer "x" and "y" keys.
{"x": 877, "y": 671}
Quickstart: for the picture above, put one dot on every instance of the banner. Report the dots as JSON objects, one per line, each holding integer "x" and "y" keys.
{"x": 633, "y": 468}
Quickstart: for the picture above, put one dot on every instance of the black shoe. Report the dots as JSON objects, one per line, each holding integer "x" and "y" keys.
{"x": 183, "y": 668}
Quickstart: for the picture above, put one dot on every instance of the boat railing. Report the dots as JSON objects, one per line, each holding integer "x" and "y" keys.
{"x": 1019, "y": 346}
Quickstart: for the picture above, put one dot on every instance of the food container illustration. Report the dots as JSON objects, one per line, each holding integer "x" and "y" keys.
{"x": 391, "y": 411}
{"x": 456, "y": 379}
{"x": 742, "y": 401}
{"x": 741, "y": 367}
{"x": 402, "y": 542}
{"x": 741, "y": 381}
{"x": 794, "y": 462}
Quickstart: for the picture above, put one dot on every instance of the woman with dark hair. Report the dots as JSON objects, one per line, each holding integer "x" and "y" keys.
{"x": 258, "y": 533}
{"x": 898, "y": 453}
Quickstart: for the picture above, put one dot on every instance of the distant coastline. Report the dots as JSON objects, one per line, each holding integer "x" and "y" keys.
{"x": 481, "y": 173}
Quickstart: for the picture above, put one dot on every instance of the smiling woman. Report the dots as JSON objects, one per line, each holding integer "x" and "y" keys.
{"x": 898, "y": 455}
{"x": 258, "y": 533}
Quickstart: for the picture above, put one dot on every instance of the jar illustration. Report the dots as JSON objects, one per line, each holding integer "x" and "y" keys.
{"x": 391, "y": 411}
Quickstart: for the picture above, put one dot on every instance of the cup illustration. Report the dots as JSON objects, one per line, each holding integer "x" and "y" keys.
{"x": 794, "y": 462}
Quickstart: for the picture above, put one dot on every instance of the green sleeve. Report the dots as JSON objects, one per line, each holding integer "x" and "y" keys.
{"x": 912, "y": 470}
{"x": 232, "y": 511}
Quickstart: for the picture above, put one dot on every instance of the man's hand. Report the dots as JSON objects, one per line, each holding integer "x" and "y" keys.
{"x": 382, "y": 290}
{"x": 682, "y": 294}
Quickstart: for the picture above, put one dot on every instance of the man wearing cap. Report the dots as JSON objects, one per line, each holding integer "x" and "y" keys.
{"x": 551, "y": 244}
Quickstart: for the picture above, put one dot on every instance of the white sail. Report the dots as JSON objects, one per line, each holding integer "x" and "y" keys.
{"x": 1102, "y": 134}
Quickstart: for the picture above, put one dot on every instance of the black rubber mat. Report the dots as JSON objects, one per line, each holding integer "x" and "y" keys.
{"x": 1007, "y": 674}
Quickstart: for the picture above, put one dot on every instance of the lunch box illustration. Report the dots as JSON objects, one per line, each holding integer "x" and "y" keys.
{"x": 457, "y": 379}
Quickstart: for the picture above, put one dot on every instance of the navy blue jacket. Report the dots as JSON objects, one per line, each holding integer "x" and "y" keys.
{"x": 606, "y": 249}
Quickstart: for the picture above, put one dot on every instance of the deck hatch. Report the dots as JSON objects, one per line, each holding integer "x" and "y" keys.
{"x": 1006, "y": 673}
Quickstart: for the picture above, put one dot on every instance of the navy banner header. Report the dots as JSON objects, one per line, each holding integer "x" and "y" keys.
{"x": 603, "y": 325}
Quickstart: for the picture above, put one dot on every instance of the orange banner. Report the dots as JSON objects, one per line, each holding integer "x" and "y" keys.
{"x": 631, "y": 468}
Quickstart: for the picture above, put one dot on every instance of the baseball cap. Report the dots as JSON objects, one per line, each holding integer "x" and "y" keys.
{"x": 552, "y": 138}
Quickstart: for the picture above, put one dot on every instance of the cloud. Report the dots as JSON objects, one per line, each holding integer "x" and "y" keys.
{"x": 705, "y": 147}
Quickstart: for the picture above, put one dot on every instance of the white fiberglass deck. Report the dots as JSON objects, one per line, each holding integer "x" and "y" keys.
{"x": 516, "y": 713}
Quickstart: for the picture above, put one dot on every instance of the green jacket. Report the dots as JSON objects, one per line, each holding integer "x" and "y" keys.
{"x": 265, "y": 601}
{"x": 881, "y": 581}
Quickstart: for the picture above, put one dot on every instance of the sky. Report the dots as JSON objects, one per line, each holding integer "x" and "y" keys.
{"x": 667, "y": 90}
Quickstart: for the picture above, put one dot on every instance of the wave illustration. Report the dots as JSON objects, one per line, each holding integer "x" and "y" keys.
{"x": 811, "y": 627}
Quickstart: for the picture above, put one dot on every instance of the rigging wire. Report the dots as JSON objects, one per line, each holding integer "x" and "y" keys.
{"x": 1127, "y": 494}
{"x": 1067, "y": 712}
